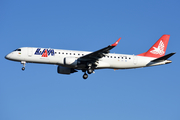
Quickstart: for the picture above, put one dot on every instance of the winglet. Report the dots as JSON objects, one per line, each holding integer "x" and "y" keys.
{"x": 116, "y": 42}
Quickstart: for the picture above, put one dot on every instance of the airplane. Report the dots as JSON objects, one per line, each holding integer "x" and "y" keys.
{"x": 70, "y": 61}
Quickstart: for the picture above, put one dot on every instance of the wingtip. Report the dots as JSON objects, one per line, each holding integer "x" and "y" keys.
{"x": 116, "y": 42}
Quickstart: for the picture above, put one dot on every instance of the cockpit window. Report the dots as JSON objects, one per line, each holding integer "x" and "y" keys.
{"x": 17, "y": 50}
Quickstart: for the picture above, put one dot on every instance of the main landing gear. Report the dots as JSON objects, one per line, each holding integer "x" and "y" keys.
{"x": 89, "y": 71}
{"x": 85, "y": 76}
{"x": 23, "y": 62}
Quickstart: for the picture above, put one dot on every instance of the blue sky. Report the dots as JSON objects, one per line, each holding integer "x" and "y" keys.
{"x": 40, "y": 93}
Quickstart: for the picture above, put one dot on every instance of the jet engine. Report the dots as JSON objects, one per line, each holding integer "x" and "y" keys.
{"x": 65, "y": 70}
{"x": 71, "y": 61}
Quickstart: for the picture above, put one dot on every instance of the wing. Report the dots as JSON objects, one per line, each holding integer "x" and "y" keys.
{"x": 94, "y": 56}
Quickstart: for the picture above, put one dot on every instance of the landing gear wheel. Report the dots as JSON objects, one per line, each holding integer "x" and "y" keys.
{"x": 85, "y": 76}
{"x": 23, "y": 62}
{"x": 23, "y": 68}
{"x": 89, "y": 71}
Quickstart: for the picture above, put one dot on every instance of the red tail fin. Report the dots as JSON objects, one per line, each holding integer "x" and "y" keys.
{"x": 158, "y": 49}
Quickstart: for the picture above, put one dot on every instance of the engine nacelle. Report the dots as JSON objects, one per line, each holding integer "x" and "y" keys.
{"x": 65, "y": 70}
{"x": 72, "y": 61}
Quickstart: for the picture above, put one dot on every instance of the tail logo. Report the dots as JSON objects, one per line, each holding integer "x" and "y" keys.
{"x": 159, "y": 50}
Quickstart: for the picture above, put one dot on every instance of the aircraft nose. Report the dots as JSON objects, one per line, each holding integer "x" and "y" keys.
{"x": 8, "y": 56}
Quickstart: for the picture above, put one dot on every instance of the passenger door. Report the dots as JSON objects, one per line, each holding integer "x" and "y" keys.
{"x": 30, "y": 52}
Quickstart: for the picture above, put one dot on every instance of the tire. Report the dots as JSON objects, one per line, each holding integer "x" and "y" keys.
{"x": 89, "y": 71}
{"x": 85, "y": 76}
{"x": 23, "y": 68}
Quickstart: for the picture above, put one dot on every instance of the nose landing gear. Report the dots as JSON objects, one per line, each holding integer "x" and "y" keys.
{"x": 23, "y": 68}
{"x": 23, "y": 62}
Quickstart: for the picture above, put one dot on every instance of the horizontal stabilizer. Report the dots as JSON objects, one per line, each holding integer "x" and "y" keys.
{"x": 163, "y": 57}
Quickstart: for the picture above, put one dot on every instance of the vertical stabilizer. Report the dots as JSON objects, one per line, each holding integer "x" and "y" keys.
{"x": 158, "y": 49}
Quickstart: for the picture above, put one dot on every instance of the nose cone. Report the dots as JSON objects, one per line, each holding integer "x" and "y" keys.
{"x": 8, "y": 56}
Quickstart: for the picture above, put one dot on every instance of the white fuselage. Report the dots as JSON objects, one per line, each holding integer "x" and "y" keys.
{"x": 57, "y": 57}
